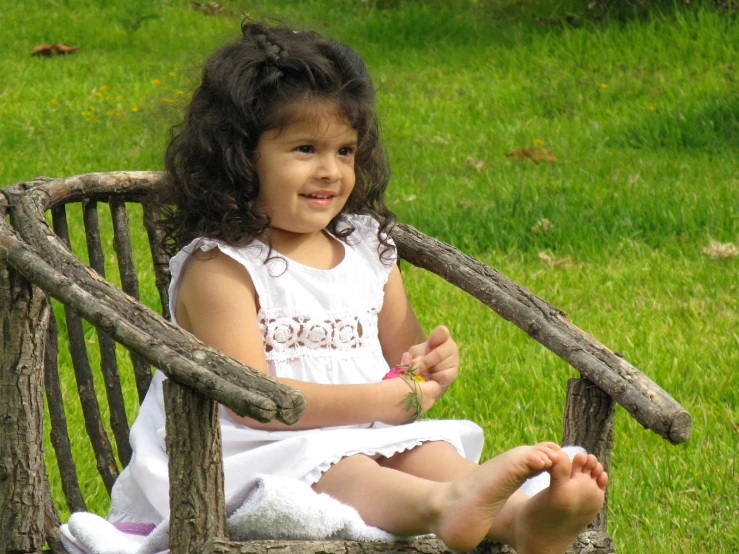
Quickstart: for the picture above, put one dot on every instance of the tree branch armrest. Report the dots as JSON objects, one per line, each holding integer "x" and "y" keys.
{"x": 649, "y": 404}
{"x": 42, "y": 258}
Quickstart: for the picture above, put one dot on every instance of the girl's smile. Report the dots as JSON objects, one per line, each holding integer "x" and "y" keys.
{"x": 320, "y": 198}
{"x": 306, "y": 171}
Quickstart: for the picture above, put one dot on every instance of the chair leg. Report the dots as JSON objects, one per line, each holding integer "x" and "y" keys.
{"x": 196, "y": 497}
{"x": 24, "y": 316}
{"x": 588, "y": 422}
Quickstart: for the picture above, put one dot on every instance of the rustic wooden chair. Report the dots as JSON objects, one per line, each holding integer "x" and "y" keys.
{"x": 36, "y": 262}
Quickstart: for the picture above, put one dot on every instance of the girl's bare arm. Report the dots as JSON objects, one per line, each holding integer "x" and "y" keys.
{"x": 436, "y": 357}
{"x": 217, "y": 302}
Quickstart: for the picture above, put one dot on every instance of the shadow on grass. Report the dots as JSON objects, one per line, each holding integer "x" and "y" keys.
{"x": 712, "y": 125}
{"x": 414, "y": 24}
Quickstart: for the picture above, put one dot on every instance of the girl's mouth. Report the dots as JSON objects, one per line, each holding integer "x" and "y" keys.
{"x": 321, "y": 199}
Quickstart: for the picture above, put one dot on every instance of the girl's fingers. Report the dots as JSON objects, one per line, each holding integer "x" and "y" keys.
{"x": 445, "y": 377}
{"x": 438, "y": 359}
{"x": 437, "y": 337}
{"x": 417, "y": 350}
{"x": 430, "y": 391}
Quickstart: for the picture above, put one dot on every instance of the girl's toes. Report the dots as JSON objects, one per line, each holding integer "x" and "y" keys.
{"x": 578, "y": 462}
{"x": 602, "y": 480}
{"x": 596, "y": 472}
{"x": 551, "y": 445}
{"x": 590, "y": 465}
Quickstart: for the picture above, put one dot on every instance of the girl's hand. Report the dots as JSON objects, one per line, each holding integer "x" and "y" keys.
{"x": 437, "y": 359}
{"x": 399, "y": 390}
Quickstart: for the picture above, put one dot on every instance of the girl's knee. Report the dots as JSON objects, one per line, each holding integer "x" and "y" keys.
{"x": 426, "y": 450}
{"x": 348, "y": 467}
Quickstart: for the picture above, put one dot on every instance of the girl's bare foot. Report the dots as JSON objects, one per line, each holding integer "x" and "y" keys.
{"x": 466, "y": 508}
{"x": 550, "y": 521}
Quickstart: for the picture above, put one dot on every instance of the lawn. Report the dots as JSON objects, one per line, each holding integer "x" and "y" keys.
{"x": 633, "y": 117}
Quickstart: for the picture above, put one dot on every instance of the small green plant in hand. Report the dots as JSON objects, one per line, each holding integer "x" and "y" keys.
{"x": 413, "y": 400}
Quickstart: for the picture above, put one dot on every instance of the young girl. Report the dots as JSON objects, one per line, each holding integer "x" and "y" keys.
{"x": 285, "y": 264}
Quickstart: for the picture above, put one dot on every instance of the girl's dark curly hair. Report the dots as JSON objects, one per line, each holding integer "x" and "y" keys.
{"x": 247, "y": 88}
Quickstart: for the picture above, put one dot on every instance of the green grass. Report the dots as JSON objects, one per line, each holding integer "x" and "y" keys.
{"x": 640, "y": 109}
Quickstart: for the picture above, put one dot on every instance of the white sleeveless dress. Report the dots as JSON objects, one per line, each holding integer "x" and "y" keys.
{"x": 317, "y": 325}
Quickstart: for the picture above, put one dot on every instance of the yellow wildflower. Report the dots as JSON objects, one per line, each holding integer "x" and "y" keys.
{"x": 538, "y": 142}
{"x": 54, "y": 102}
{"x": 105, "y": 87}
{"x": 651, "y": 108}
{"x": 157, "y": 82}
{"x": 172, "y": 74}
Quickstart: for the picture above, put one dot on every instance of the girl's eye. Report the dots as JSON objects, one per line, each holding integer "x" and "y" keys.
{"x": 305, "y": 149}
{"x": 346, "y": 151}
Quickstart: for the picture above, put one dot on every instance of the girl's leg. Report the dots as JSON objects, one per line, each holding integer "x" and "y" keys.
{"x": 545, "y": 523}
{"x": 440, "y": 461}
{"x": 459, "y": 512}
{"x": 433, "y": 460}
{"x": 391, "y": 500}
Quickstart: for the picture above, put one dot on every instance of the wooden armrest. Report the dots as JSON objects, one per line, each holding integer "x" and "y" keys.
{"x": 42, "y": 258}
{"x": 649, "y": 404}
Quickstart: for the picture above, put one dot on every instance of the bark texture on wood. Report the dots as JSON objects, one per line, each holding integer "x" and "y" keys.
{"x": 193, "y": 438}
{"x": 59, "y": 432}
{"x": 416, "y": 546}
{"x": 588, "y": 422}
{"x": 106, "y": 344}
{"x": 24, "y": 316}
{"x": 158, "y": 256}
{"x": 106, "y": 464}
{"x": 589, "y": 542}
{"x": 50, "y": 264}
{"x": 649, "y": 404}
{"x": 129, "y": 282}
{"x": 51, "y": 521}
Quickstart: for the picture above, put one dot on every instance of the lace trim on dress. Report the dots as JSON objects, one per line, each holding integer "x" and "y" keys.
{"x": 298, "y": 335}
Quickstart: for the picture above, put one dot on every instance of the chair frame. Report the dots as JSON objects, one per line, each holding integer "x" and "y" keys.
{"x": 36, "y": 263}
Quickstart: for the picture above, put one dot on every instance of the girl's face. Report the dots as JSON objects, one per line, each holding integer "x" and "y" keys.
{"x": 306, "y": 170}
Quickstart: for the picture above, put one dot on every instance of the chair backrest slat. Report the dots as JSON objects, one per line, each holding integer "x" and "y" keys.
{"x": 129, "y": 283}
{"x": 59, "y": 431}
{"x": 105, "y": 459}
{"x": 92, "y": 236}
{"x": 158, "y": 256}
{"x": 122, "y": 245}
{"x": 108, "y": 362}
{"x": 51, "y": 522}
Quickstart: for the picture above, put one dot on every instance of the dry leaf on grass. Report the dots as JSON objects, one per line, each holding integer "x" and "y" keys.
{"x": 721, "y": 250}
{"x": 536, "y": 155}
{"x": 542, "y": 226}
{"x": 211, "y": 8}
{"x": 549, "y": 259}
{"x": 53, "y": 49}
{"x": 477, "y": 164}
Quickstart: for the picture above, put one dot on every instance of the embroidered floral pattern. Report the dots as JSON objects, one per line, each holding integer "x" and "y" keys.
{"x": 291, "y": 334}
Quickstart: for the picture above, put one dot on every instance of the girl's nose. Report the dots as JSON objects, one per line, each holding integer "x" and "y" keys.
{"x": 328, "y": 168}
